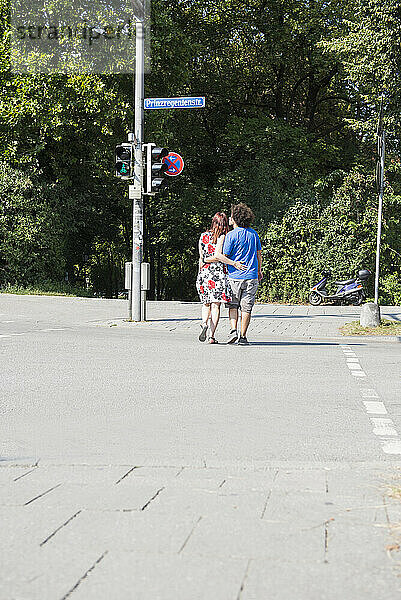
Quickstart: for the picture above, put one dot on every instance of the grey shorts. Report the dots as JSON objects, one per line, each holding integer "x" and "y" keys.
{"x": 243, "y": 293}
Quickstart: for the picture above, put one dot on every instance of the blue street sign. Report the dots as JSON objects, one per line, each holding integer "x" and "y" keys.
{"x": 184, "y": 102}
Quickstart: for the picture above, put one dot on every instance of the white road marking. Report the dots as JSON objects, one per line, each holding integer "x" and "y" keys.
{"x": 391, "y": 446}
{"x": 375, "y": 408}
{"x": 3, "y": 336}
{"x": 354, "y": 366}
{"x": 8, "y": 321}
{"x": 383, "y": 427}
{"x": 53, "y": 329}
{"x": 367, "y": 393}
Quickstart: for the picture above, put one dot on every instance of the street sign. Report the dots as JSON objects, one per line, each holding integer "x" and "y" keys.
{"x": 184, "y": 102}
{"x": 175, "y": 164}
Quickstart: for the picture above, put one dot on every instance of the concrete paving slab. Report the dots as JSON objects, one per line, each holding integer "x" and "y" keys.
{"x": 97, "y": 497}
{"x": 140, "y": 531}
{"x": 209, "y": 502}
{"x": 29, "y": 526}
{"x": 318, "y": 581}
{"x": 254, "y": 537}
{"x": 48, "y": 573}
{"x": 145, "y": 577}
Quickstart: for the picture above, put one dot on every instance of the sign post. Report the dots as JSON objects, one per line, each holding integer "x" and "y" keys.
{"x": 381, "y": 150}
{"x": 135, "y": 190}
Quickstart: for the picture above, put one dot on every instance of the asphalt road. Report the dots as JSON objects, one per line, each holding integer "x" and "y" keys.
{"x": 165, "y": 468}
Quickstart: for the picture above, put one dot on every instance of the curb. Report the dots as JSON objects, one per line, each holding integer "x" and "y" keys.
{"x": 369, "y": 338}
{"x": 353, "y": 338}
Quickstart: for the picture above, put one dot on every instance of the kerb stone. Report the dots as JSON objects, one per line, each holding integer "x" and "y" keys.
{"x": 370, "y": 315}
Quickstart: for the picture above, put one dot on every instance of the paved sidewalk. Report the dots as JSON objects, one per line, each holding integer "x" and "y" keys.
{"x": 268, "y": 320}
{"x": 276, "y": 531}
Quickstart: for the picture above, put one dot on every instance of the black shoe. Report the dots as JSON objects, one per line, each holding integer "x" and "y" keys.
{"x": 232, "y": 337}
{"x": 202, "y": 335}
{"x": 243, "y": 341}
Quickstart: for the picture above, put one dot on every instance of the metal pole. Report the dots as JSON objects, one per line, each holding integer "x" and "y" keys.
{"x": 379, "y": 217}
{"x": 135, "y": 191}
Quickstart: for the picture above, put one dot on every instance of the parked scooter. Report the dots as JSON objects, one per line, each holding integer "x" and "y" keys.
{"x": 348, "y": 292}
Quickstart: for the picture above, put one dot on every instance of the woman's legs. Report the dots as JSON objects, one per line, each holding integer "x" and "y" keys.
{"x": 205, "y": 312}
{"x": 214, "y": 317}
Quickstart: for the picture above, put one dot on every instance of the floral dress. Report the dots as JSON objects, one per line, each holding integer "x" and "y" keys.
{"x": 212, "y": 282}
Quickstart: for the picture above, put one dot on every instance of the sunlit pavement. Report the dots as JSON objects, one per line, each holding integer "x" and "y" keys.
{"x": 137, "y": 462}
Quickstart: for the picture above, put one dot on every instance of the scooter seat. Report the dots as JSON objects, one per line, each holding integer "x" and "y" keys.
{"x": 344, "y": 282}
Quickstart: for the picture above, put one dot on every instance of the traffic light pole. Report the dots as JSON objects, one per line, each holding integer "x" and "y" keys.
{"x": 136, "y": 190}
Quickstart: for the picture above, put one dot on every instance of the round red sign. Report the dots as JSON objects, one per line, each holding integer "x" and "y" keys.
{"x": 175, "y": 164}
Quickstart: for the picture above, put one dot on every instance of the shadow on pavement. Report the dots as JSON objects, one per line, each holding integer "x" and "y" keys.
{"x": 289, "y": 343}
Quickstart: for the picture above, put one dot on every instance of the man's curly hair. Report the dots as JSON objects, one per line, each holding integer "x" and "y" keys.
{"x": 242, "y": 215}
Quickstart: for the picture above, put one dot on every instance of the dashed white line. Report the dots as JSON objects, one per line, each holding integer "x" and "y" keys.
{"x": 368, "y": 393}
{"x": 391, "y": 446}
{"x": 383, "y": 427}
{"x": 375, "y": 408}
{"x": 354, "y": 366}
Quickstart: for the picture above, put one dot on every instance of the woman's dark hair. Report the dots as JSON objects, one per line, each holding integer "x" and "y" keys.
{"x": 242, "y": 215}
{"x": 219, "y": 226}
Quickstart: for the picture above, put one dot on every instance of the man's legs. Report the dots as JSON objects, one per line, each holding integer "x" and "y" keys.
{"x": 245, "y": 320}
{"x": 247, "y": 301}
{"x": 233, "y": 315}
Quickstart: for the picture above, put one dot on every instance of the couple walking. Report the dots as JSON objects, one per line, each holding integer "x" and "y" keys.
{"x": 230, "y": 268}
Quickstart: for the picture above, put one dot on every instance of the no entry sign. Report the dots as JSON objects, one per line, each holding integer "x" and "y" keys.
{"x": 175, "y": 164}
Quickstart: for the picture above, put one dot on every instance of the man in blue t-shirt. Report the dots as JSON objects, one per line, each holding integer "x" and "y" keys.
{"x": 242, "y": 244}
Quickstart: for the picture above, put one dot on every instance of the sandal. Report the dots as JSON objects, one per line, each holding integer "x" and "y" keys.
{"x": 212, "y": 340}
{"x": 202, "y": 335}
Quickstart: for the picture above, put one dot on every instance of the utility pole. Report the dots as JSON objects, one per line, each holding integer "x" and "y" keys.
{"x": 381, "y": 147}
{"x": 136, "y": 190}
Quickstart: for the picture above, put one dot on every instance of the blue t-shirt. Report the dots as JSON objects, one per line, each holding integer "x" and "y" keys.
{"x": 242, "y": 244}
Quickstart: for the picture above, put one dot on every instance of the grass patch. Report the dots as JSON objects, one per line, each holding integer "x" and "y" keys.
{"x": 48, "y": 289}
{"x": 387, "y": 327}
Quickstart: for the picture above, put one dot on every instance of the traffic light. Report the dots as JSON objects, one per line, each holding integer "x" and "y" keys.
{"x": 124, "y": 156}
{"x": 154, "y": 177}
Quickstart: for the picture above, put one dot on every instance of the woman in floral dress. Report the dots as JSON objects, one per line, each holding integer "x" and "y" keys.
{"x": 212, "y": 282}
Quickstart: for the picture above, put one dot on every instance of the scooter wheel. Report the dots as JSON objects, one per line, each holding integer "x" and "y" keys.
{"x": 315, "y": 299}
{"x": 360, "y": 299}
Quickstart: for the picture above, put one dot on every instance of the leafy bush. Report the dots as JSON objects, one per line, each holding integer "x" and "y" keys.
{"x": 339, "y": 235}
{"x": 31, "y": 247}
